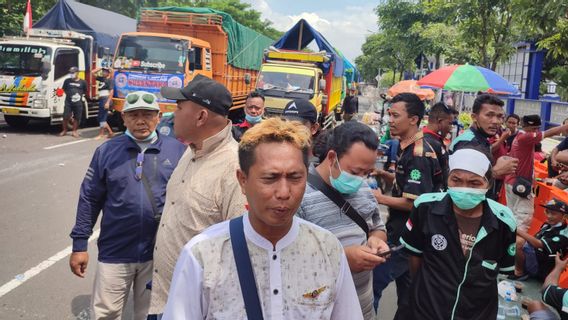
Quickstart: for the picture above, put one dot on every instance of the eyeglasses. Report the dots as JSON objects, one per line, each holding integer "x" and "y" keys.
{"x": 139, "y": 164}
{"x": 132, "y": 98}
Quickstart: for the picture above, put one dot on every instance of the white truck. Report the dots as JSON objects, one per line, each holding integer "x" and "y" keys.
{"x": 32, "y": 72}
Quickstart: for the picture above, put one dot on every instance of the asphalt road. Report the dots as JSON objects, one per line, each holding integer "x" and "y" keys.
{"x": 40, "y": 175}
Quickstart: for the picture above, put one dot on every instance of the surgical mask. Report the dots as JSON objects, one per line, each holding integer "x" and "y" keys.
{"x": 346, "y": 183}
{"x": 252, "y": 119}
{"x": 148, "y": 139}
{"x": 466, "y": 198}
{"x": 73, "y": 75}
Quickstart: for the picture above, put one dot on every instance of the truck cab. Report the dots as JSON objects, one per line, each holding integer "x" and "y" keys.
{"x": 148, "y": 61}
{"x": 288, "y": 75}
{"x": 32, "y": 72}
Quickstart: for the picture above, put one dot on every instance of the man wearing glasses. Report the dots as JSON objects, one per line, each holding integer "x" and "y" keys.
{"x": 127, "y": 180}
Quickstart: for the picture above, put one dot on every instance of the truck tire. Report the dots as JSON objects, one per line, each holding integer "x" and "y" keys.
{"x": 16, "y": 121}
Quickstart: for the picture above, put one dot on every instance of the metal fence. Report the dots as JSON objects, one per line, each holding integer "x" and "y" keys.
{"x": 552, "y": 113}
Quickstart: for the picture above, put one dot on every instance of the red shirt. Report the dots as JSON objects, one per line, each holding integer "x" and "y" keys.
{"x": 523, "y": 149}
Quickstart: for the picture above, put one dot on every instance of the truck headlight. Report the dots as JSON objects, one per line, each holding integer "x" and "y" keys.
{"x": 39, "y": 102}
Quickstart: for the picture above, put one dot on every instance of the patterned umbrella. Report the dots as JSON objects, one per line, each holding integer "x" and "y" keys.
{"x": 467, "y": 78}
{"x": 412, "y": 87}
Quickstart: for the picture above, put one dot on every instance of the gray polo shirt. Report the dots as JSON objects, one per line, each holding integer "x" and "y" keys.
{"x": 320, "y": 210}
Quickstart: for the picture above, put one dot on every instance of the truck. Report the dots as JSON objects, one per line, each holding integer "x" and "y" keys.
{"x": 290, "y": 70}
{"x": 174, "y": 44}
{"x": 33, "y": 68}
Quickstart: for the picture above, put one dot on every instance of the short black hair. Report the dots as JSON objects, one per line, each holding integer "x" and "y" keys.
{"x": 414, "y": 106}
{"x": 486, "y": 99}
{"x": 344, "y": 136}
{"x": 514, "y": 116}
{"x": 320, "y": 144}
{"x": 255, "y": 94}
{"x": 440, "y": 110}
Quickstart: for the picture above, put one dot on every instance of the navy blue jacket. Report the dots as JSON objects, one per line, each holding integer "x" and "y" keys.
{"x": 128, "y": 224}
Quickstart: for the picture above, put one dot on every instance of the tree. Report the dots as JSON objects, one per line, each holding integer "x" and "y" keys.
{"x": 12, "y": 12}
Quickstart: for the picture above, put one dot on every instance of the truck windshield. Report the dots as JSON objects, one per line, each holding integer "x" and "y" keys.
{"x": 22, "y": 59}
{"x": 151, "y": 54}
{"x": 286, "y": 82}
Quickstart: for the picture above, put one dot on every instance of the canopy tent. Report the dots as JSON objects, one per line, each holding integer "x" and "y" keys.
{"x": 104, "y": 26}
{"x": 351, "y": 72}
{"x": 246, "y": 46}
{"x": 301, "y": 35}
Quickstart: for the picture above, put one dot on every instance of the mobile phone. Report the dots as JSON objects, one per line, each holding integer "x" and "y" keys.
{"x": 393, "y": 249}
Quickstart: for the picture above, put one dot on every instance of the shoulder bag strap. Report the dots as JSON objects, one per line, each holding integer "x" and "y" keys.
{"x": 244, "y": 269}
{"x": 334, "y": 195}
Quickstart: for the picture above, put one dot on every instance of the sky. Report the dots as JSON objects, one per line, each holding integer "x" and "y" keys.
{"x": 345, "y": 24}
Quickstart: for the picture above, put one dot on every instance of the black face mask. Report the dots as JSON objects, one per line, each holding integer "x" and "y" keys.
{"x": 481, "y": 131}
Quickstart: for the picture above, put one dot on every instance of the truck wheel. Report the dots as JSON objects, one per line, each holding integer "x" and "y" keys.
{"x": 16, "y": 121}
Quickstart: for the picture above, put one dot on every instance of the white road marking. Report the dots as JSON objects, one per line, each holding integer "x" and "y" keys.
{"x": 21, "y": 278}
{"x": 65, "y": 144}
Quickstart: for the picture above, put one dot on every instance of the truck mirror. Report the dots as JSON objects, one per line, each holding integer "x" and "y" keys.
{"x": 247, "y": 78}
{"x": 322, "y": 84}
{"x": 45, "y": 69}
{"x": 103, "y": 51}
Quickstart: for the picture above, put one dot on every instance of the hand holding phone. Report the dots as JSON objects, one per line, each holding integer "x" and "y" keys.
{"x": 393, "y": 249}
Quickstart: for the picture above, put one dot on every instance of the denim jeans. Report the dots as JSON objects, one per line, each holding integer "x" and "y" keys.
{"x": 394, "y": 269}
{"x": 393, "y": 150}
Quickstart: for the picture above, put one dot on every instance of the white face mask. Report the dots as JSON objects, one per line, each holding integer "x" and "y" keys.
{"x": 73, "y": 75}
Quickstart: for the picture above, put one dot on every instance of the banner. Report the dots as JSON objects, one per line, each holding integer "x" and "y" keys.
{"x": 126, "y": 82}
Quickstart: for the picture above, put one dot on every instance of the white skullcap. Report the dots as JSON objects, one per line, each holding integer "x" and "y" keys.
{"x": 470, "y": 160}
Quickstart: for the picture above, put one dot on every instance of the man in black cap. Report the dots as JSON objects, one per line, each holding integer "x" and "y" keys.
{"x": 304, "y": 111}
{"x": 75, "y": 89}
{"x": 203, "y": 189}
{"x": 534, "y": 257}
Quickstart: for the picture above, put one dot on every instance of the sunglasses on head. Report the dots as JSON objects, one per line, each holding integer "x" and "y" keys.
{"x": 132, "y": 98}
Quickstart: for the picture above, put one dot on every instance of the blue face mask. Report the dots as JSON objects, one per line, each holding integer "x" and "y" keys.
{"x": 346, "y": 183}
{"x": 252, "y": 119}
{"x": 466, "y": 198}
{"x": 150, "y": 137}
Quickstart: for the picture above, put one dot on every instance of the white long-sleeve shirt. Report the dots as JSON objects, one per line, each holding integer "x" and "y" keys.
{"x": 305, "y": 276}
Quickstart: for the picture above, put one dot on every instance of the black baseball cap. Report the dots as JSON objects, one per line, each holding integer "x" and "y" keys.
{"x": 556, "y": 205}
{"x": 204, "y": 91}
{"x": 531, "y": 120}
{"x": 300, "y": 109}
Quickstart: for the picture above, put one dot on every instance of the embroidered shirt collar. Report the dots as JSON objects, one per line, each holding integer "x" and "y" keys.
{"x": 435, "y": 134}
{"x": 211, "y": 143}
{"x": 262, "y": 242}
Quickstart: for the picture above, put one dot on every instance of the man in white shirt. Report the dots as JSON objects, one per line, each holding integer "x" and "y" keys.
{"x": 300, "y": 269}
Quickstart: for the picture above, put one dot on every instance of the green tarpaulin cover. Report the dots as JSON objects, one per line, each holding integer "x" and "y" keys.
{"x": 246, "y": 46}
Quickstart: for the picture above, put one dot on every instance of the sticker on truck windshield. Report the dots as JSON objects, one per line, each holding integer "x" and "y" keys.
{"x": 126, "y": 82}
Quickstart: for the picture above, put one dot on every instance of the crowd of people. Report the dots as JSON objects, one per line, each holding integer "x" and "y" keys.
{"x": 272, "y": 218}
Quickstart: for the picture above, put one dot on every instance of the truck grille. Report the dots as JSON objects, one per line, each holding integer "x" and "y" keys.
{"x": 273, "y": 111}
{"x": 21, "y": 100}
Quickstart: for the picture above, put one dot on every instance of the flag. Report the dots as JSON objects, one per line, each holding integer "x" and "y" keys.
{"x": 409, "y": 225}
{"x": 28, "y": 18}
